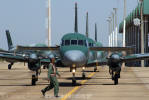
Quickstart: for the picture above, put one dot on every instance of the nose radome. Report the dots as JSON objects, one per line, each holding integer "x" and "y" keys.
{"x": 75, "y": 57}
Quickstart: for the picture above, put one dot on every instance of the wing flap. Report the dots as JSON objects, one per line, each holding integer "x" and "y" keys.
{"x": 135, "y": 57}
{"x": 112, "y": 49}
{"x": 21, "y": 48}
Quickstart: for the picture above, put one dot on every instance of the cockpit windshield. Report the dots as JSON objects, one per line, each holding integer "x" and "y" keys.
{"x": 80, "y": 42}
{"x": 74, "y": 42}
{"x": 67, "y": 42}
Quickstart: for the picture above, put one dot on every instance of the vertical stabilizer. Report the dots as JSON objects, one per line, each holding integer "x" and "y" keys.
{"x": 95, "y": 32}
{"x": 9, "y": 40}
{"x": 76, "y": 19}
{"x": 87, "y": 24}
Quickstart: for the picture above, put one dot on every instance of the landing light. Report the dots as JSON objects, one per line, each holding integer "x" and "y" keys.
{"x": 83, "y": 68}
{"x": 73, "y": 70}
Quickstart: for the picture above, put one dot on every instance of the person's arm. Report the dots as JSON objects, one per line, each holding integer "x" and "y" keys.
{"x": 57, "y": 73}
{"x": 54, "y": 69}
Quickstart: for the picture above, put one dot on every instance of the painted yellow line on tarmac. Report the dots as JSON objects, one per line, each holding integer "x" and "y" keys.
{"x": 76, "y": 88}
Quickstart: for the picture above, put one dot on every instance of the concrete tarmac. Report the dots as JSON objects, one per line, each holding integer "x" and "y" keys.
{"x": 15, "y": 84}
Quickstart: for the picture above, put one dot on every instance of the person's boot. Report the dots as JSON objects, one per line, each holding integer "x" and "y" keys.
{"x": 43, "y": 92}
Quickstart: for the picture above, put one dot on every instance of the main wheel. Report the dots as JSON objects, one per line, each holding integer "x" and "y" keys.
{"x": 34, "y": 80}
{"x": 9, "y": 66}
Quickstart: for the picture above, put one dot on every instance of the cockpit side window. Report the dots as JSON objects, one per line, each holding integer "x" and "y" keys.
{"x": 63, "y": 42}
{"x": 80, "y": 42}
{"x": 67, "y": 42}
{"x": 74, "y": 42}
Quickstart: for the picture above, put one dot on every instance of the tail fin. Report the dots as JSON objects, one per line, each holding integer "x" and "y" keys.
{"x": 76, "y": 19}
{"x": 95, "y": 32}
{"x": 87, "y": 24}
{"x": 9, "y": 40}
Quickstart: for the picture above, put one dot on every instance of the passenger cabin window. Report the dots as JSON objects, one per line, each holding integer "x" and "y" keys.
{"x": 67, "y": 42}
{"x": 73, "y": 42}
{"x": 80, "y": 42}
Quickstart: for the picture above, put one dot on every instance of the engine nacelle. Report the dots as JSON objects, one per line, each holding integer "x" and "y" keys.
{"x": 34, "y": 65}
{"x": 114, "y": 62}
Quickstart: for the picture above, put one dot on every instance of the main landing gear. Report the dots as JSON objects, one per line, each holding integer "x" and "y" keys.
{"x": 115, "y": 77}
{"x": 35, "y": 78}
{"x": 10, "y": 66}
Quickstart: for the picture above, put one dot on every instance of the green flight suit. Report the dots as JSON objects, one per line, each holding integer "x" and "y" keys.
{"x": 53, "y": 81}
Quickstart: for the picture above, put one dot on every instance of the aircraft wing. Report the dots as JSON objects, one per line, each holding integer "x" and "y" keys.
{"x": 21, "y": 58}
{"x": 3, "y": 51}
{"x": 112, "y": 49}
{"x": 135, "y": 57}
{"x": 22, "y": 48}
{"x": 97, "y": 62}
{"x": 12, "y": 57}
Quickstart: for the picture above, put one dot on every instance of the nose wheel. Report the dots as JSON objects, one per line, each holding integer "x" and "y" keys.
{"x": 73, "y": 79}
{"x": 95, "y": 68}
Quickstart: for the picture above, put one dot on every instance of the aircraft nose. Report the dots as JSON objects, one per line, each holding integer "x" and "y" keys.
{"x": 74, "y": 57}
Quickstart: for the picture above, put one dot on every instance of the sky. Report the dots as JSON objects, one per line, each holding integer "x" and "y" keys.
{"x": 26, "y": 19}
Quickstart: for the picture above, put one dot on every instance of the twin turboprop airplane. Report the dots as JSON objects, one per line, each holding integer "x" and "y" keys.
{"x": 76, "y": 50}
{"x": 35, "y": 59}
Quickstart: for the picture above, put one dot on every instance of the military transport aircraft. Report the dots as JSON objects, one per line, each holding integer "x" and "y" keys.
{"x": 74, "y": 51}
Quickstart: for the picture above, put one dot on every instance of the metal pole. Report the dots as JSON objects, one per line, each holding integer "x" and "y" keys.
{"x": 113, "y": 36}
{"x": 109, "y": 23}
{"x": 49, "y": 22}
{"x": 124, "y": 27}
{"x": 142, "y": 33}
{"x": 116, "y": 29}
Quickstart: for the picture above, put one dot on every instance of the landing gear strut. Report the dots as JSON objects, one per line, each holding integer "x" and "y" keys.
{"x": 35, "y": 78}
{"x": 10, "y": 66}
{"x": 83, "y": 74}
{"x": 73, "y": 69}
{"x": 115, "y": 77}
{"x": 73, "y": 79}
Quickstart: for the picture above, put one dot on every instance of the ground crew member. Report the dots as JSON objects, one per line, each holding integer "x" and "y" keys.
{"x": 52, "y": 72}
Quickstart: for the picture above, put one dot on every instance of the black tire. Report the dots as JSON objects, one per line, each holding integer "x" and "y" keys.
{"x": 83, "y": 76}
{"x": 34, "y": 80}
{"x": 73, "y": 82}
{"x": 9, "y": 66}
{"x": 95, "y": 69}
